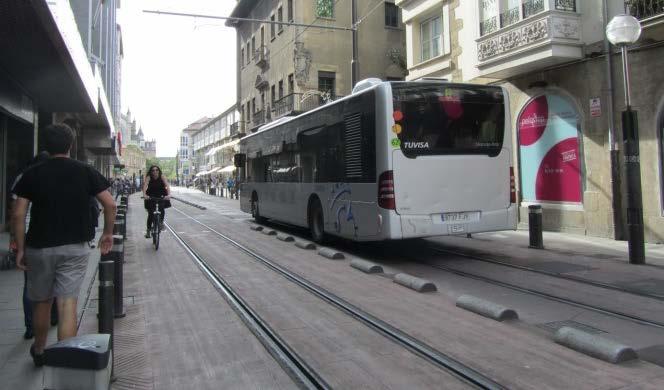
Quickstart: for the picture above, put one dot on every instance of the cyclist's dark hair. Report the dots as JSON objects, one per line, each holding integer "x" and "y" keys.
{"x": 58, "y": 138}
{"x": 150, "y": 170}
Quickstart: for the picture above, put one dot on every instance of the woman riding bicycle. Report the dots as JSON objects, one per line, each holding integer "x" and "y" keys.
{"x": 155, "y": 186}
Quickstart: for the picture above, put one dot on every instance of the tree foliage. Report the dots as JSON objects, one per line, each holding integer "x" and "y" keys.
{"x": 167, "y": 165}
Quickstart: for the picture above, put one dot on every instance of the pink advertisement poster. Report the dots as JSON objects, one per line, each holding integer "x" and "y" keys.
{"x": 549, "y": 150}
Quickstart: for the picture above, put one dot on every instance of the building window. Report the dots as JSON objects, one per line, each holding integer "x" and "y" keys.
{"x": 272, "y": 27}
{"x": 280, "y": 18}
{"x": 274, "y": 95}
{"x": 253, "y": 45}
{"x": 242, "y": 56}
{"x": 326, "y": 83}
{"x": 262, "y": 36}
{"x": 430, "y": 36}
{"x": 290, "y": 10}
{"x": 281, "y": 89}
{"x": 324, "y": 8}
{"x": 248, "y": 53}
{"x": 291, "y": 85}
{"x": 391, "y": 15}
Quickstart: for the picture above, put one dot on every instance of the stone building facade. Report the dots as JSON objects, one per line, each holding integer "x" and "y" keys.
{"x": 284, "y": 69}
{"x": 565, "y": 84}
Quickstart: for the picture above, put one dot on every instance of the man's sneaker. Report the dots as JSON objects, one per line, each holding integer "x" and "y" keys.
{"x": 147, "y": 234}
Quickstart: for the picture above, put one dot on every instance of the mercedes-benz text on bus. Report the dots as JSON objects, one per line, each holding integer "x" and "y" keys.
{"x": 394, "y": 160}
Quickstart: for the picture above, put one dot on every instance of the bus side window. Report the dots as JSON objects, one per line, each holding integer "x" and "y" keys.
{"x": 307, "y": 168}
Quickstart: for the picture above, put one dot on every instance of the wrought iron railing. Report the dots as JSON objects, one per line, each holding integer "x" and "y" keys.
{"x": 237, "y": 127}
{"x": 566, "y": 5}
{"x": 644, "y": 9}
{"x": 488, "y": 26}
{"x": 532, "y": 7}
{"x": 261, "y": 55}
{"x": 510, "y": 16}
{"x": 296, "y": 103}
{"x": 258, "y": 118}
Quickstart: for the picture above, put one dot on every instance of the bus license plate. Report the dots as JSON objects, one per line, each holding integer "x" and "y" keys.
{"x": 457, "y": 229}
{"x": 459, "y": 217}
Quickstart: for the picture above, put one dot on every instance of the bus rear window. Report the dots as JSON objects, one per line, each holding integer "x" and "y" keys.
{"x": 435, "y": 119}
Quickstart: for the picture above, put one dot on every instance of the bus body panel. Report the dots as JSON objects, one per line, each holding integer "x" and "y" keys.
{"x": 454, "y": 183}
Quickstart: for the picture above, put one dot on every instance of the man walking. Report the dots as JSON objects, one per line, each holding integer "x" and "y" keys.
{"x": 55, "y": 250}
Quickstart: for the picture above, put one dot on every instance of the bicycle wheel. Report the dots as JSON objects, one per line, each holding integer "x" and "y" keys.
{"x": 155, "y": 232}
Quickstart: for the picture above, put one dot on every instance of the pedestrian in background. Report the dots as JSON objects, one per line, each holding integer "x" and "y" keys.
{"x": 55, "y": 250}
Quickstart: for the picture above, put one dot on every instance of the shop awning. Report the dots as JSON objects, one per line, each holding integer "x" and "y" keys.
{"x": 229, "y": 168}
{"x": 201, "y": 173}
{"x": 213, "y": 150}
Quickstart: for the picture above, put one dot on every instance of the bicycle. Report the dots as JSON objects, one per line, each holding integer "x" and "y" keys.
{"x": 156, "y": 220}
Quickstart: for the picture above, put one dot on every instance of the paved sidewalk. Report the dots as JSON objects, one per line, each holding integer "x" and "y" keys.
{"x": 16, "y": 368}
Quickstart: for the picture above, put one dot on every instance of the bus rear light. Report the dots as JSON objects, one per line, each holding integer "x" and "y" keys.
{"x": 512, "y": 186}
{"x": 386, "y": 191}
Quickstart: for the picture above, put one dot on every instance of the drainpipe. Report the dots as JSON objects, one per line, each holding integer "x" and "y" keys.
{"x": 616, "y": 184}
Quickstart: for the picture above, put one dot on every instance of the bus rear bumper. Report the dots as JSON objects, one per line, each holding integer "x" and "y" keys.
{"x": 413, "y": 226}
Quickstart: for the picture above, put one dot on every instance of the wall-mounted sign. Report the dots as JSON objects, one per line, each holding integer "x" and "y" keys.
{"x": 549, "y": 148}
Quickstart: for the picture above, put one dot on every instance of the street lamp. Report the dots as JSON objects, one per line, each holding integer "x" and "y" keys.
{"x": 622, "y": 31}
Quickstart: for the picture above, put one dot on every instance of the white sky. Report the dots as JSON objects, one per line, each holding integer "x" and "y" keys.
{"x": 176, "y": 69}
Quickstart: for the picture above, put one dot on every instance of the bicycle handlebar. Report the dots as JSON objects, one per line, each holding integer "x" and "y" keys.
{"x": 156, "y": 199}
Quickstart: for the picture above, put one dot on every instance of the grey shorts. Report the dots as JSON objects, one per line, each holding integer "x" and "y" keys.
{"x": 56, "y": 271}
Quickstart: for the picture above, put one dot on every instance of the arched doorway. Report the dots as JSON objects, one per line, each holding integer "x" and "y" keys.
{"x": 549, "y": 150}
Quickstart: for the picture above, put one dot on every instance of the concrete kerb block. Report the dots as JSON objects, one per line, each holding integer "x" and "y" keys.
{"x": 366, "y": 266}
{"x": 486, "y": 308}
{"x": 256, "y": 228}
{"x": 331, "y": 253}
{"x": 305, "y": 244}
{"x": 285, "y": 237}
{"x": 594, "y": 345}
{"x": 269, "y": 232}
{"x": 414, "y": 283}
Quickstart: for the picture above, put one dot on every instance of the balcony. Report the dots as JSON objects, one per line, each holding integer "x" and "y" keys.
{"x": 261, "y": 56}
{"x": 236, "y": 128}
{"x": 649, "y": 12}
{"x": 258, "y": 119}
{"x": 297, "y": 103}
{"x": 538, "y": 34}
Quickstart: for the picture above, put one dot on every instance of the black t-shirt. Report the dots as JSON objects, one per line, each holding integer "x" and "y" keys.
{"x": 60, "y": 191}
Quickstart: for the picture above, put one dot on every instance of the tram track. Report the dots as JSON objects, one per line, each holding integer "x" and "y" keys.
{"x": 558, "y": 275}
{"x": 303, "y": 375}
{"x": 551, "y": 297}
{"x": 571, "y": 302}
{"x": 439, "y": 359}
{"x": 575, "y": 303}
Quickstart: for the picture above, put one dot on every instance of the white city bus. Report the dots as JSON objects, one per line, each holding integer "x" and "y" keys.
{"x": 393, "y": 160}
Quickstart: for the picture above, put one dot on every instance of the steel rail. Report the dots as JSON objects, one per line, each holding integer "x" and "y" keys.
{"x": 597, "y": 309}
{"x": 438, "y": 358}
{"x": 297, "y": 368}
{"x": 549, "y": 273}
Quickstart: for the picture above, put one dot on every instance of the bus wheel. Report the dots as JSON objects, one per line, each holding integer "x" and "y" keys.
{"x": 254, "y": 211}
{"x": 316, "y": 223}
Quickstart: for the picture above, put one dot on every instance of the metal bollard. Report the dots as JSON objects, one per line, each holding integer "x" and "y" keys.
{"x": 535, "y": 226}
{"x": 105, "y": 308}
{"x": 116, "y": 255}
